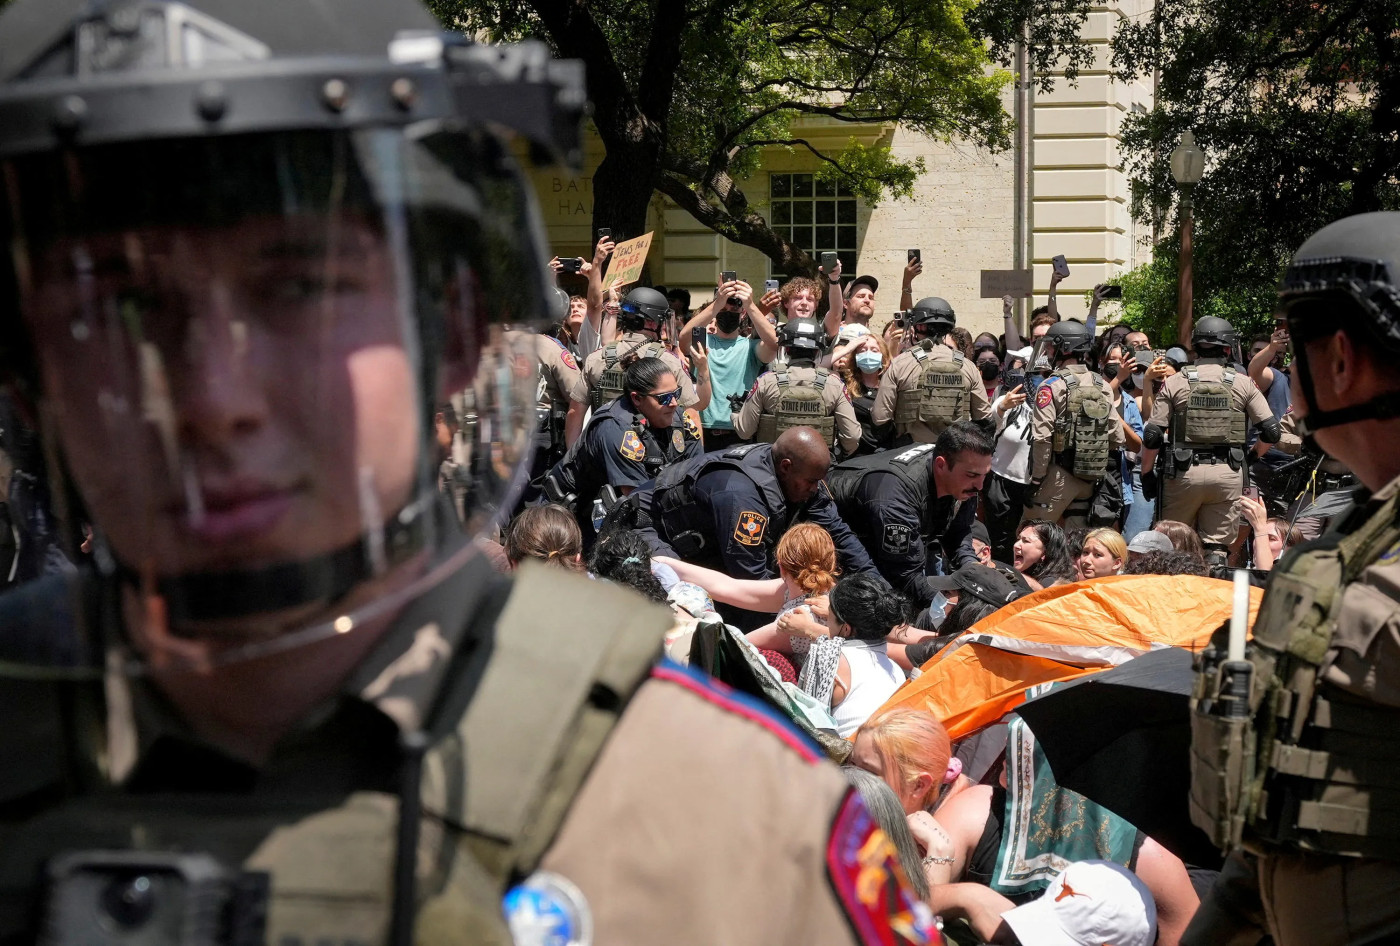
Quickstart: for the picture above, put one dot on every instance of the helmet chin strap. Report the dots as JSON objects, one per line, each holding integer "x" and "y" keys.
{"x": 231, "y": 595}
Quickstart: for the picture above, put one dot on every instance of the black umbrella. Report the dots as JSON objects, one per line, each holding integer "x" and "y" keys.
{"x": 1122, "y": 738}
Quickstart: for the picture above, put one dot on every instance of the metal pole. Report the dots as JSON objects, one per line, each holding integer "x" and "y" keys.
{"x": 1184, "y": 288}
{"x": 1018, "y": 173}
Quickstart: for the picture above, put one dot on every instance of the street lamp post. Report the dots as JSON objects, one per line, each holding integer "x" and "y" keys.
{"x": 1188, "y": 163}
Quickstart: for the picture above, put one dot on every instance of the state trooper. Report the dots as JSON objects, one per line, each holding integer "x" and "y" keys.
{"x": 913, "y": 508}
{"x": 727, "y": 510}
{"x": 799, "y": 394}
{"x": 561, "y": 404}
{"x": 1201, "y": 418}
{"x": 1294, "y": 748}
{"x": 640, "y": 318}
{"x": 931, "y": 386}
{"x": 625, "y": 445}
{"x": 1073, "y": 427}
{"x": 253, "y": 246}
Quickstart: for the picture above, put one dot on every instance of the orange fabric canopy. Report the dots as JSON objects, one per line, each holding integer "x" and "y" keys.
{"x": 1061, "y": 633}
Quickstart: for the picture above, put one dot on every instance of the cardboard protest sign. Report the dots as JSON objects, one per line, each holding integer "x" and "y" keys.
{"x": 627, "y": 261}
{"x": 1006, "y": 282}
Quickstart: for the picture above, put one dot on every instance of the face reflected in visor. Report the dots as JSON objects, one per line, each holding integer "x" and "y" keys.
{"x": 240, "y": 342}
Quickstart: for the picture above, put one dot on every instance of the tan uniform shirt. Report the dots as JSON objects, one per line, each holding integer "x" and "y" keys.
{"x": 901, "y": 380}
{"x": 1176, "y": 390}
{"x": 764, "y": 400}
{"x": 1051, "y": 400}
{"x": 563, "y": 380}
{"x": 597, "y": 363}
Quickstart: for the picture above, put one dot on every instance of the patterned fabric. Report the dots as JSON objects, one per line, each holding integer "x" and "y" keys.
{"x": 819, "y": 670}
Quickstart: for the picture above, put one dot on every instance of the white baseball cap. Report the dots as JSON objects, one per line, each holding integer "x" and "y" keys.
{"x": 1091, "y": 903}
{"x": 850, "y": 332}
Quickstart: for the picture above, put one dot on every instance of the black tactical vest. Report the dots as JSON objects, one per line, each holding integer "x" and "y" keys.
{"x": 912, "y": 465}
{"x": 679, "y": 517}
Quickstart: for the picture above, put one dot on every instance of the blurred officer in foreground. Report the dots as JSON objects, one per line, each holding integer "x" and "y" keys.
{"x": 913, "y": 508}
{"x": 253, "y": 246}
{"x": 1073, "y": 427}
{"x": 931, "y": 386}
{"x": 727, "y": 510}
{"x": 799, "y": 394}
{"x": 1201, "y": 418}
{"x": 1301, "y": 782}
{"x": 625, "y": 445}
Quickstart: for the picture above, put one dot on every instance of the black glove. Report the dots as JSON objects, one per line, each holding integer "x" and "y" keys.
{"x": 736, "y": 401}
{"x": 1149, "y": 483}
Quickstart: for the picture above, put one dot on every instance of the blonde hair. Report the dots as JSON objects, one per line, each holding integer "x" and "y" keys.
{"x": 807, "y": 553}
{"x": 909, "y": 742}
{"x": 1112, "y": 541}
{"x": 848, "y": 371}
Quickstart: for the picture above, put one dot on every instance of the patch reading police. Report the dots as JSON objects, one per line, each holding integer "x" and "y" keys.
{"x": 897, "y": 538}
{"x": 548, "y": 910}
{"x": 631, "y": 446}
{"x": 1045, "y": 396}
{"x": 749, "y": 529}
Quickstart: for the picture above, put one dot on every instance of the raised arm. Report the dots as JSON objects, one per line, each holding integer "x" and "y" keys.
{"x": 1013, "y": 334}
{"x": 836, "y": 304}
{"x": 751, "y": 594}
{"x": 601, "y": 252}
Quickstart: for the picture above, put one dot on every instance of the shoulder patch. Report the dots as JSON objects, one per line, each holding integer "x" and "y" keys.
{"x": 1045, "y": 396}
{"x": 631, "y": 446}
{"x": 691, "y": 428}
{"x": 567, "y": 357}
{"x": 740, "y": 704}
{"x": 749, "y": 529}
{"x": 897, "y": 538}
{"x": 871, "y": 886}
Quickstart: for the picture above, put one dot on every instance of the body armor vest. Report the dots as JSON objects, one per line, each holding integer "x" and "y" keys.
{"x": 1082, "y": 429}
{"x": 911, "y": 465}
{"x": 687, "y": 525}
{"x": 1211, "y": 417}
{"x": 941, "y": 398}
{"x": 616, "y": 360}
{"x": 1307, "y": 767}
{"x": 800, "y": 404}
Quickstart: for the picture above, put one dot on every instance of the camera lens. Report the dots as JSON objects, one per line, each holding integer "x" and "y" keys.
{"x": 129, "y": 901}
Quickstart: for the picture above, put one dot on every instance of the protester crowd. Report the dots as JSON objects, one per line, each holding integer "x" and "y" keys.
{"x": 838, "y": 502}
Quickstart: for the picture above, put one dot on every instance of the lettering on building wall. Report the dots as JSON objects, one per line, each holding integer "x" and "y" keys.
{"x": 573, "y": 192}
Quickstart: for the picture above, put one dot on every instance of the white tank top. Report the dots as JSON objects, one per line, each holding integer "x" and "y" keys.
{"x": 874, "y": 677}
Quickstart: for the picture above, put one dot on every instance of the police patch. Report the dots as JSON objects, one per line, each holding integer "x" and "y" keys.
{"x": 548, "y": 910}
{"x": 749, "y": 529}
{"x": 870, "y": 884}
{"x": 691, "y": 427}
{"x": 897, "y": 538}
{"x": 631, "y": 446}
{"x": 567, "y": 357}
{"x": 1045, "y": 396}
{"x": 677, "y": 441}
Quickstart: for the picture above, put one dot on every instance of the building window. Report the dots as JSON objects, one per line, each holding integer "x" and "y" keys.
{"x": 819, "y": 217}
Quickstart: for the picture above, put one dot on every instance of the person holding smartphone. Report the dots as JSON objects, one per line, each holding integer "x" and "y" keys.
{"x": 735, "y": 361}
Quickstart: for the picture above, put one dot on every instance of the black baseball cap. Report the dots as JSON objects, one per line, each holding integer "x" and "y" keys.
{"x": 990, "y": 583}
{"x": 870, "y": 281}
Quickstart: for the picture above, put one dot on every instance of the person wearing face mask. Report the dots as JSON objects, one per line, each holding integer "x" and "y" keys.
{"x": 989, "y": 367}
{"x": 735, "y": 361}
{"x": 861, "y": 363}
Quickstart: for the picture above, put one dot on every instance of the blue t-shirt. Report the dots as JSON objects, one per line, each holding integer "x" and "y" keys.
{"x": 734, "y": 367}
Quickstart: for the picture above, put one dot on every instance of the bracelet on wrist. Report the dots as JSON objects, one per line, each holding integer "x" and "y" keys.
{"x": 931, "y": 860}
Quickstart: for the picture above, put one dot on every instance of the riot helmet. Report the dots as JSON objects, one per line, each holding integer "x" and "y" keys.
{"x": 254, "y": 246}
{"x": 644, "y": 310}
{"x": 1213, "y": 337}
{"x": 1067, "y": 337}
{"x": 932, "y": 317}
{"x": 801, "y": 338}
{"x": 1346, "y": 276}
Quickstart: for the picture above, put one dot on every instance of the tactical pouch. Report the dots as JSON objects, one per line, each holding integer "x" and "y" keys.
{"x": 1222, "y": 773}
{"x": 1236, "y": 459}
{"x": 1182, "y": 458}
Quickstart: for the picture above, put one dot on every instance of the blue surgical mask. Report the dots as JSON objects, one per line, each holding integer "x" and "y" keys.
{"x": 869, "y": 361}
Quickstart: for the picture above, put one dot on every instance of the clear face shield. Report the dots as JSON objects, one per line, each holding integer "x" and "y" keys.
{"x": 239, "y": 345}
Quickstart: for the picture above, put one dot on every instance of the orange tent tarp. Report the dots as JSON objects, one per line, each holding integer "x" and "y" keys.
{"x": 1061, "y": 633}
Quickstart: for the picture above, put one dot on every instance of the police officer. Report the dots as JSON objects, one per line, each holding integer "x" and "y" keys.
{"x": 799, "y": 394}
{"x": 289, "y": 701}
{"x": 625, "y": 445}
{"x": 727, "y": 510}
{"x": 1201, "y": 418}
{"x": 563, "y": 396}
{"x": 913, "y": 507}
{"x": 643, "y": 312}
{"x": 1073, "y": 427}
{"x": 931, "y": 386}
{"x": 1316, "y": 850}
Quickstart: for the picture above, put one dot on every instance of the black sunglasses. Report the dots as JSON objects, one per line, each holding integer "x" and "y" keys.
{"x": 667, "y": 398}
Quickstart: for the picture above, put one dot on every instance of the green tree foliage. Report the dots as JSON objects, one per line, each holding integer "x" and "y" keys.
{"x": 686, "y": 93}
{"x": 1297, "y": 106}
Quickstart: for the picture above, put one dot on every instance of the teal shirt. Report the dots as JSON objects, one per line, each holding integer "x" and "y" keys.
{"x": 734, "y": 367}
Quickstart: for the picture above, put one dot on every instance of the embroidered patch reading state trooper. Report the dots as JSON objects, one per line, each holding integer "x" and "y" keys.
{"x": 897, "y": 538}
{"x": 749, "y": 529}
{"x": 1044, "y": 397}
{"x": 631, "y": 446}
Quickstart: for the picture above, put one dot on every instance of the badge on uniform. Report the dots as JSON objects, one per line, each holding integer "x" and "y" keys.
{"x": 749, "y": 529}
{"x": 864, "y": 869}
{"x": 897, "y": 538}
{"x": 1045, "y": 396}
{"x": 677, "y": 441}
{"x": 631, "y": 446}
{"x": 548, "y": 910}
